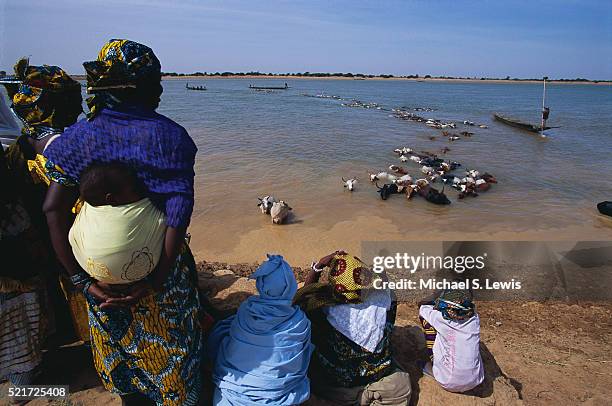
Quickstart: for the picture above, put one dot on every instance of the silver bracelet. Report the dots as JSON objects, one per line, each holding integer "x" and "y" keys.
{"x": 313, "y": 266}
{"x": 80, "y": 278}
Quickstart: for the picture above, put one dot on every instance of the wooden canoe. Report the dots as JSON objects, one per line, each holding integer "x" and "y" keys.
{"x": 519, "y": 124}
{"x": 268, "y": 87}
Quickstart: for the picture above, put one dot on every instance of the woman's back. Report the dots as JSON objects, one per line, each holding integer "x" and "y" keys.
{"x": 339, "y": 361}
{"x": 159, "y": 150}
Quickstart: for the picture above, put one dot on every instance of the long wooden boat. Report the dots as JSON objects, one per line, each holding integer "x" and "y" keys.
{"x": 519, "y": 124}
{"x": 200, "y": 88}
{"x": 269, "y": 87}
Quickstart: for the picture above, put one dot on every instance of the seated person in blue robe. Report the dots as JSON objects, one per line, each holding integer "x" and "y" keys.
{"x": 262, "y": 353}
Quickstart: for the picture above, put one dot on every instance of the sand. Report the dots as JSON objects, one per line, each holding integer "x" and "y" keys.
{"x": 249, "y": 240}
{"x": 534, "y": 353}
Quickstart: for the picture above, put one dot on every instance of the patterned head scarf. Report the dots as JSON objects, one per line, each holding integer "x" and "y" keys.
{"x": 121, "y": 64}
{"x": 455, "y": 304}
{"x": 45, "y": 98}
{"x": 349, "y": 281}
{"x": 349, "y": 276}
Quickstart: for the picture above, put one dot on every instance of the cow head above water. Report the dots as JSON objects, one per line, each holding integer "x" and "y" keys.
{"x": 350, "y": 183}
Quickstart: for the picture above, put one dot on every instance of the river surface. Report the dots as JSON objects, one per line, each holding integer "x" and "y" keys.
{"x": 297, "y": 148}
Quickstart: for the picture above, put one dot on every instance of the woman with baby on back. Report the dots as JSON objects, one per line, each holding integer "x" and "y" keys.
{"x": 126, "y": 249}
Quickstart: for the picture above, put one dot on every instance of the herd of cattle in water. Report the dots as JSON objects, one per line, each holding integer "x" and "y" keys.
{"x": 397, "y": 180}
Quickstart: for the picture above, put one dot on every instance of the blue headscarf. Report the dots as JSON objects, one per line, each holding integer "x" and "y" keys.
{"x": 275, "y": 280}
{"x": 261, "y": 354}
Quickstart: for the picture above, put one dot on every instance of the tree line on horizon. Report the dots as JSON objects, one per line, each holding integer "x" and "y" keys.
{"x": 365, "y": 76}
{"x": 357, "y": 75}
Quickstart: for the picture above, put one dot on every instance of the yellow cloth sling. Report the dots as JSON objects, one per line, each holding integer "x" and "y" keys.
{"x": 118, "y": 244}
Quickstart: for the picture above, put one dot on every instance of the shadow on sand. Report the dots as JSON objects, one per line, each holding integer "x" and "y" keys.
{"x": 409, "y": 347}
{"x": 73, "y": 364}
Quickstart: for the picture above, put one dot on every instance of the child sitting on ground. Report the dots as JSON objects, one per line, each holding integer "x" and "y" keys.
{"x": 452, "y": 334}
{"x": 117, "y": 236}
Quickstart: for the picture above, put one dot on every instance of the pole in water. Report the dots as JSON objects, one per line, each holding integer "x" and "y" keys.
{"x": 544, "y": 109}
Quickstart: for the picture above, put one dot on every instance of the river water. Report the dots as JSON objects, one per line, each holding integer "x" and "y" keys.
{"x": 297, "y": 148}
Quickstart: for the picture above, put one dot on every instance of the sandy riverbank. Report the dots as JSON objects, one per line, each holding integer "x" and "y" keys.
{"x": 535, "y": 353}
{"x": 251, "y": 239}
{"x": 532, "y": 354}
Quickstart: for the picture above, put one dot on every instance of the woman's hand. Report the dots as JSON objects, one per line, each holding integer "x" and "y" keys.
{"x": 109, "y": 296}
{"x": 102, "y": 295}
{"x": 130, "y": 297}
{"x": 313, "y": 276}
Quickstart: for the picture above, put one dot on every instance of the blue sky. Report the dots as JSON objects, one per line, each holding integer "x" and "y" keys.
{"x": 563, "y": 38}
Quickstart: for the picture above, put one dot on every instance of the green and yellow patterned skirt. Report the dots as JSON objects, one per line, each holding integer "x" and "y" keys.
{"x": 154, "y": 347}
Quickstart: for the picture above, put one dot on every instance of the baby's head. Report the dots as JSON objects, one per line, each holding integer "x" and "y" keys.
{"x": 112, "y": 184}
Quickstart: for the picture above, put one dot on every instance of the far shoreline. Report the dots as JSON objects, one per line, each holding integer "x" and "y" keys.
{"x": 419, "y": 80}
{"x": 378, "y": 78}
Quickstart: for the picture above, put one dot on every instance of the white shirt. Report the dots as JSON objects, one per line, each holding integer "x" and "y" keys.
{"x": 362, "y": 323}
{"x": 457, "y": 364}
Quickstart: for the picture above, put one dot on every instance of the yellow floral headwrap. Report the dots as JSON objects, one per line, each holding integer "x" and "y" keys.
{"x": 45, "y": 98}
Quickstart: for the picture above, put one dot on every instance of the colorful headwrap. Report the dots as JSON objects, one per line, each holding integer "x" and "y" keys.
{"x": 349, "y": 279}
{"x": 455, "y": 304}
{"x": 121, "y": 64}
{"x": 45, "y": 98}
{"x": 349, "y": 276}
